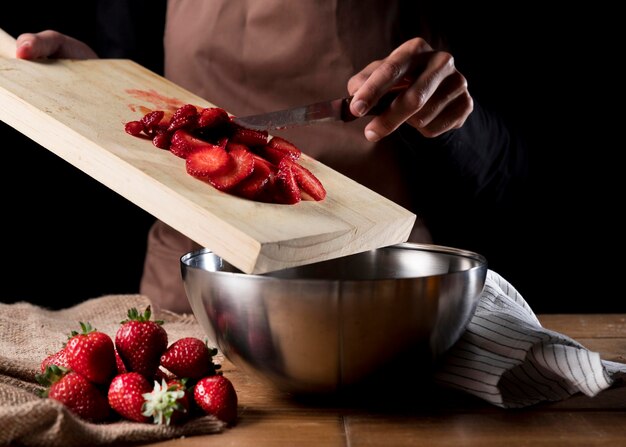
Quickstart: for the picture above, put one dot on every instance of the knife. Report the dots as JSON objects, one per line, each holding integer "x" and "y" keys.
{"x": 319, "y": 112}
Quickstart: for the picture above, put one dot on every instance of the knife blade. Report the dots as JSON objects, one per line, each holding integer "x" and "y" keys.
{"x": 319, "y": 112}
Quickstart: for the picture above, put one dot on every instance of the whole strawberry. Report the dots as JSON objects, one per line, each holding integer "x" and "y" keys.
{"x": 140, "y": 342}
{"x": 126, "y": 395}
{"x": 91, "y": 353}
{"x": 59, "y": 358}
{"x": 74, "y": 391}
{"x": 216, "y": 395}
{"x": 189, "y": 357}
{"x": 119, "y": 364}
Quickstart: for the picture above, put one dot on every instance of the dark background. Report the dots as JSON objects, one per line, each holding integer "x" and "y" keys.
{"x": 68, "y": 238}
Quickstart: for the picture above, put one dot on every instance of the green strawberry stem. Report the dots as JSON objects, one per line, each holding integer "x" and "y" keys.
{"x": 85, "y": 328}
{"x": 134, "y": 315}
{"x": 52, "y": 374}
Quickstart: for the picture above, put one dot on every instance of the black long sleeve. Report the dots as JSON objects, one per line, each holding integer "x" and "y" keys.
{"x": 470, "y": 184}
{"x": 483, "y": 161}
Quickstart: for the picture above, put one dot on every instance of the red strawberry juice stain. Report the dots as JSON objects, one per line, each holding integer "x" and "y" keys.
{"x": 159, "y": 101}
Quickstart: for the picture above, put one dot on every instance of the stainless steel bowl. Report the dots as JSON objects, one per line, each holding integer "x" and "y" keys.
{"x": 323, "y": 326}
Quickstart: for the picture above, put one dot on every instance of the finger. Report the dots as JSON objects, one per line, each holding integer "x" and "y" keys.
{"x": 439, "y": 66}
{"x": 452, "y": 117}
{"x": 43, "y": 44}
{"x": 24, "y": 46}
{"x": 392, "y": 70}
{"x": 52, "y": 44}
{"x": 356, "y": 81}
{"x": 450, "y": 88}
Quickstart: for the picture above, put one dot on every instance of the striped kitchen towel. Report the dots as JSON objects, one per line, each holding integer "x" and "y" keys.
{"x": 508, "y": 359}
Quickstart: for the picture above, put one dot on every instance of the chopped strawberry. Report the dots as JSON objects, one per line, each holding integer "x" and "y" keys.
{"x": 241, "y": 166}
{"x": 271, "y": 191}
{"x": 185, "y": 117}
{"x": 185, "y": 110}
{"x": 308, "y": 182}
{"x": 186, "y": 122}
{"x": 288, "y": 191}
{"x": 222, "y": 142}
{"x": 217, "y": 396}
{"x": 249, "y": 137}
{"x": 285, "y": 146}
{"x": 126, "y": 395}
{"x": 189, "y": 357}
{"x": 278, "y": 148}
{"x": 233, "y": 158}
{"x": 260, "y": 177}
{"x": 91, "y": 353}
{"x": 134, "y": 128}
{"x": 162, "y": 140}
{"x": 140, "y": 342}
{"x": 184, "y": 143}
{"x": 212, "y": 117}
{"x": 208, "y": 160}
{"x": 232, "y": 145}
{"x": 151, "y": 120}
{"x": 74, "y": 391}
{"x": 271, "y": 154}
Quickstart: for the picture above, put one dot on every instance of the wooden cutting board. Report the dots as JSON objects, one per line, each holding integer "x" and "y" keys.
{"x": 77, "y": 109}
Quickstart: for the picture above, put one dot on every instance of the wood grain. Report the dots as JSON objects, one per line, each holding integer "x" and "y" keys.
{"x": 77, "y": 109}
{"x": 586, "y": 325}
{"x": 525, "y": 428}
{"x": 431, "y": 417}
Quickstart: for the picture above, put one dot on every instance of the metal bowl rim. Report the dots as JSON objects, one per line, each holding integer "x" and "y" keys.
{"x": 482, "y": 263}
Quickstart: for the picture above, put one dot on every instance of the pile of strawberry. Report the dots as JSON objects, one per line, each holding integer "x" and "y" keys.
{"x": 139, "y": 377}
{"x": 241, "y": 161}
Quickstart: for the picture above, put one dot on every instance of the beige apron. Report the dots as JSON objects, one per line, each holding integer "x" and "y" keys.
{"x": 252, "y": 56}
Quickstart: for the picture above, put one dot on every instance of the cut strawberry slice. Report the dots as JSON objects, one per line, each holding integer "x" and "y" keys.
{"x": 134, "y": 128}
{"x": 271, "y": 154}
{"x": 186, "y": 110}
{"x": 151, "y": 120}
{"x": 249, "y": 137}
{"x": 230, "y": 146}
{"x": 222, "y": 141}
{"x": 260, "y": 177}
{"x": 287, "y": 189}
{"x": 241, "y": 166}
{"x": 162, "y": 140}
{"x": 278, "y": 148}
{"x": 285, "y": 146}
{"x": 184, "y": 143}
{"x": 186, "y": 117}
{"x": 212, "y": 117}
{"x": 208, "y": 160}
{"x": 307, "y": 180}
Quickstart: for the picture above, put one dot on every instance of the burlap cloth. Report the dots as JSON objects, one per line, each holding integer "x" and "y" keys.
{"x": 29, "y": 333}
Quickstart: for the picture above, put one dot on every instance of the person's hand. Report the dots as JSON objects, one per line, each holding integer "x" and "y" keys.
{"x": 52, "y": 44}
{"x": 435, "y": 101}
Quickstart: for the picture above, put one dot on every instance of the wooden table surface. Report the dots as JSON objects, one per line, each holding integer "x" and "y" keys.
{"x": 433, "y": 416}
